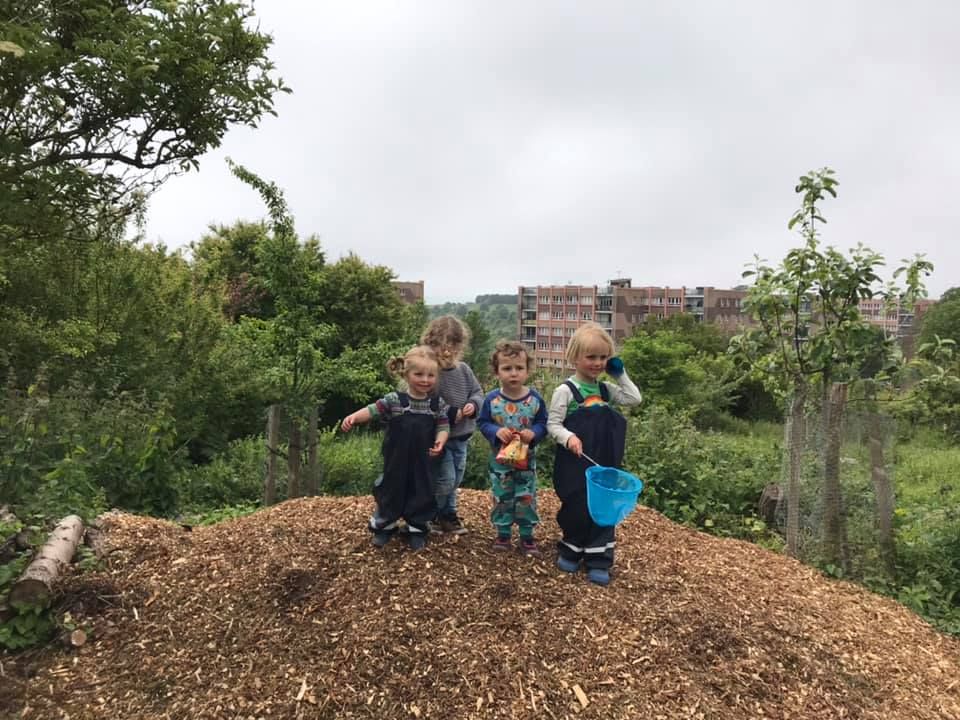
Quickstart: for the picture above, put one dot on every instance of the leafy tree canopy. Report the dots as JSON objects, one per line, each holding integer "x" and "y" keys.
{"x": 102, "y": 99}
{"x": 943, "y": 319}
{"x": 703, "y": 337}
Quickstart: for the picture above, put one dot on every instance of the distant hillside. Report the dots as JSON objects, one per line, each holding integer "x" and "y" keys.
{"x": 498, "y": 312}
{"x": 292, "y": 613}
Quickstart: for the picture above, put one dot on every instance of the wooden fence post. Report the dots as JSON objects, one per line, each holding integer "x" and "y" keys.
{"x": 313, "y": 484}
{"x": 273, "y": 440}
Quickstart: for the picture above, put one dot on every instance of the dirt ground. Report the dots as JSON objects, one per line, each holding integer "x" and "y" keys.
{"x": 291, "y": 613}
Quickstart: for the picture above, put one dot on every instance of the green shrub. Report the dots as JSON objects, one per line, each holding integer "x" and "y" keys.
{"x": 928, "y": 564}
{"x": 74, "y": 453}
{"x": 350, "y": 463}
{"x": 220, "y": 514}
{"x": 704, "y": 479}
{"x": 233, "y": 477}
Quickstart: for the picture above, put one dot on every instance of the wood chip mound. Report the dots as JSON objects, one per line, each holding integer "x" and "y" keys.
{"x": 292, "y": 613}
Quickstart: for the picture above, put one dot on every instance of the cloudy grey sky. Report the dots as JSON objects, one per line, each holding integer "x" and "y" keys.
{"x": 479, "y": 146}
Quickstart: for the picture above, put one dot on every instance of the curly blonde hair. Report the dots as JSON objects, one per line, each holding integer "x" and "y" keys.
{"x": 448, "y": 337}
{"x": 416, "y": 357}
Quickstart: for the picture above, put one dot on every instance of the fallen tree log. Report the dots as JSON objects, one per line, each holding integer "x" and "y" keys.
{"x": 34, "y": 586}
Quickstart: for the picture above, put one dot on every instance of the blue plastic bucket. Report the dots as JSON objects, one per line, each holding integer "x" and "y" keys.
{"x": 611, "y": 494}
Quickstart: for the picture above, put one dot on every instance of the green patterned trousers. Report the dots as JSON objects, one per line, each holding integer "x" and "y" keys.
{"x": 514, "y": 500}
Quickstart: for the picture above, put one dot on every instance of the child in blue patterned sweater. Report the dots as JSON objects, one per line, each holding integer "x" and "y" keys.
{"x": 513, "y": 411}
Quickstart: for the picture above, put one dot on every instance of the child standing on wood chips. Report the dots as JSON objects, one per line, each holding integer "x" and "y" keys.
{"x": 516, "y": 414}
{"x": 417, "y": 427}
{"x": 583, "y": 421}
{"x": 459, "y": 389}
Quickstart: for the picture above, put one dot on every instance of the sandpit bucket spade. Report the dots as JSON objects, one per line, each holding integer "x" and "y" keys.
{"x": 611, "y": 493}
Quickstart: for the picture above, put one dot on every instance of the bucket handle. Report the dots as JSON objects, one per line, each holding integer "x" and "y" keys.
{"x": 584, "y": 455}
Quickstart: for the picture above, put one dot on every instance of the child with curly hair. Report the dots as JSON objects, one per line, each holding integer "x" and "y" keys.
{"x": 459, "y": 388}
{"x": 513, "y": 411}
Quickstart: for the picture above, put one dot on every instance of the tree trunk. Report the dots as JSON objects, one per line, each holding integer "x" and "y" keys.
{"x": 313, "y": 478}
{"x": 33, "y": 587}
{"x": 883, "y": 490}
{"x": 293, "y": 458}
{"x": 826, "y": 405}
{"x": 834, "y": 530}
{"x": 273, "y": 441}
{"x": 797, "y": 438}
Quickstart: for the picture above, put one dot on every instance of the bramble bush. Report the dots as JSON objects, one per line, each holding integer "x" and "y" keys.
{"x": 70, "y": 452}
{"x": 233, "y": 477}
{"x": 703, "y": 479}
{"x": 349, "y": 463}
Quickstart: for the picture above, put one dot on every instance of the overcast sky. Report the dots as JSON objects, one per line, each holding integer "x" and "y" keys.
{"x": 479, "y": 146}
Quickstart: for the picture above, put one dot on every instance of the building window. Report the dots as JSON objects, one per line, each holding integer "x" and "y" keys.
{"x": 542, "y": 346}
{"x": 587, "y": 316}
{"x": 570, "y": 332}
{"x": 572, "y": 315}
{"x": 541, "y": 362}
{"x": 571, "y": 299}
{"x": 558, "y": 315}
{"x": 544, "y": 330}
{"x": 544, "y": 316}
{"x": 558, "y": 331}
{"x": 544, "y": 299}
{"x": 558, "y": 363}
{"x": 557, "y": 347}
{"x": 586, "y": 299}
{"x": 673, "y": 300}
{"x": 558, "y": 298}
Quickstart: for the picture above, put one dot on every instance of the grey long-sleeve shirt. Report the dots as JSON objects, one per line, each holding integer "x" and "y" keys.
{"x": 457, "y": 387}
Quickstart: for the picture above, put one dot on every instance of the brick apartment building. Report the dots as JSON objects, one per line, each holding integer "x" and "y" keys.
{"x": 410, "y": 292}
{"x": 897, "y": 320}
{"x": 549, "y": 314}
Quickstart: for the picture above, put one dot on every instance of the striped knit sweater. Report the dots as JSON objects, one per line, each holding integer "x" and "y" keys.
{"x": 458, "y": 386}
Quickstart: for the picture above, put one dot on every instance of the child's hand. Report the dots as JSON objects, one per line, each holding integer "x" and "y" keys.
{"x": 575, "y": 446}
{"x": 348, "y": 422}
{"x": 505, "y": 435}
{"x": 437, "y": 447}
{"x": 527, "y": 436}
{"x": 469, "y": 410}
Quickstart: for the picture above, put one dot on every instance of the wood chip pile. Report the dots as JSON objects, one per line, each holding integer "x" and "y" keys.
{"x": 291, "y": 613}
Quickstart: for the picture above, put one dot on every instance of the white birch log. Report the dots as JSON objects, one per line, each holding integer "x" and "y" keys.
{"x": 34, "y": 586}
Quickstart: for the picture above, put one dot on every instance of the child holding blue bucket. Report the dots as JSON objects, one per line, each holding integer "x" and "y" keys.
{"x": 583, "y": 422}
